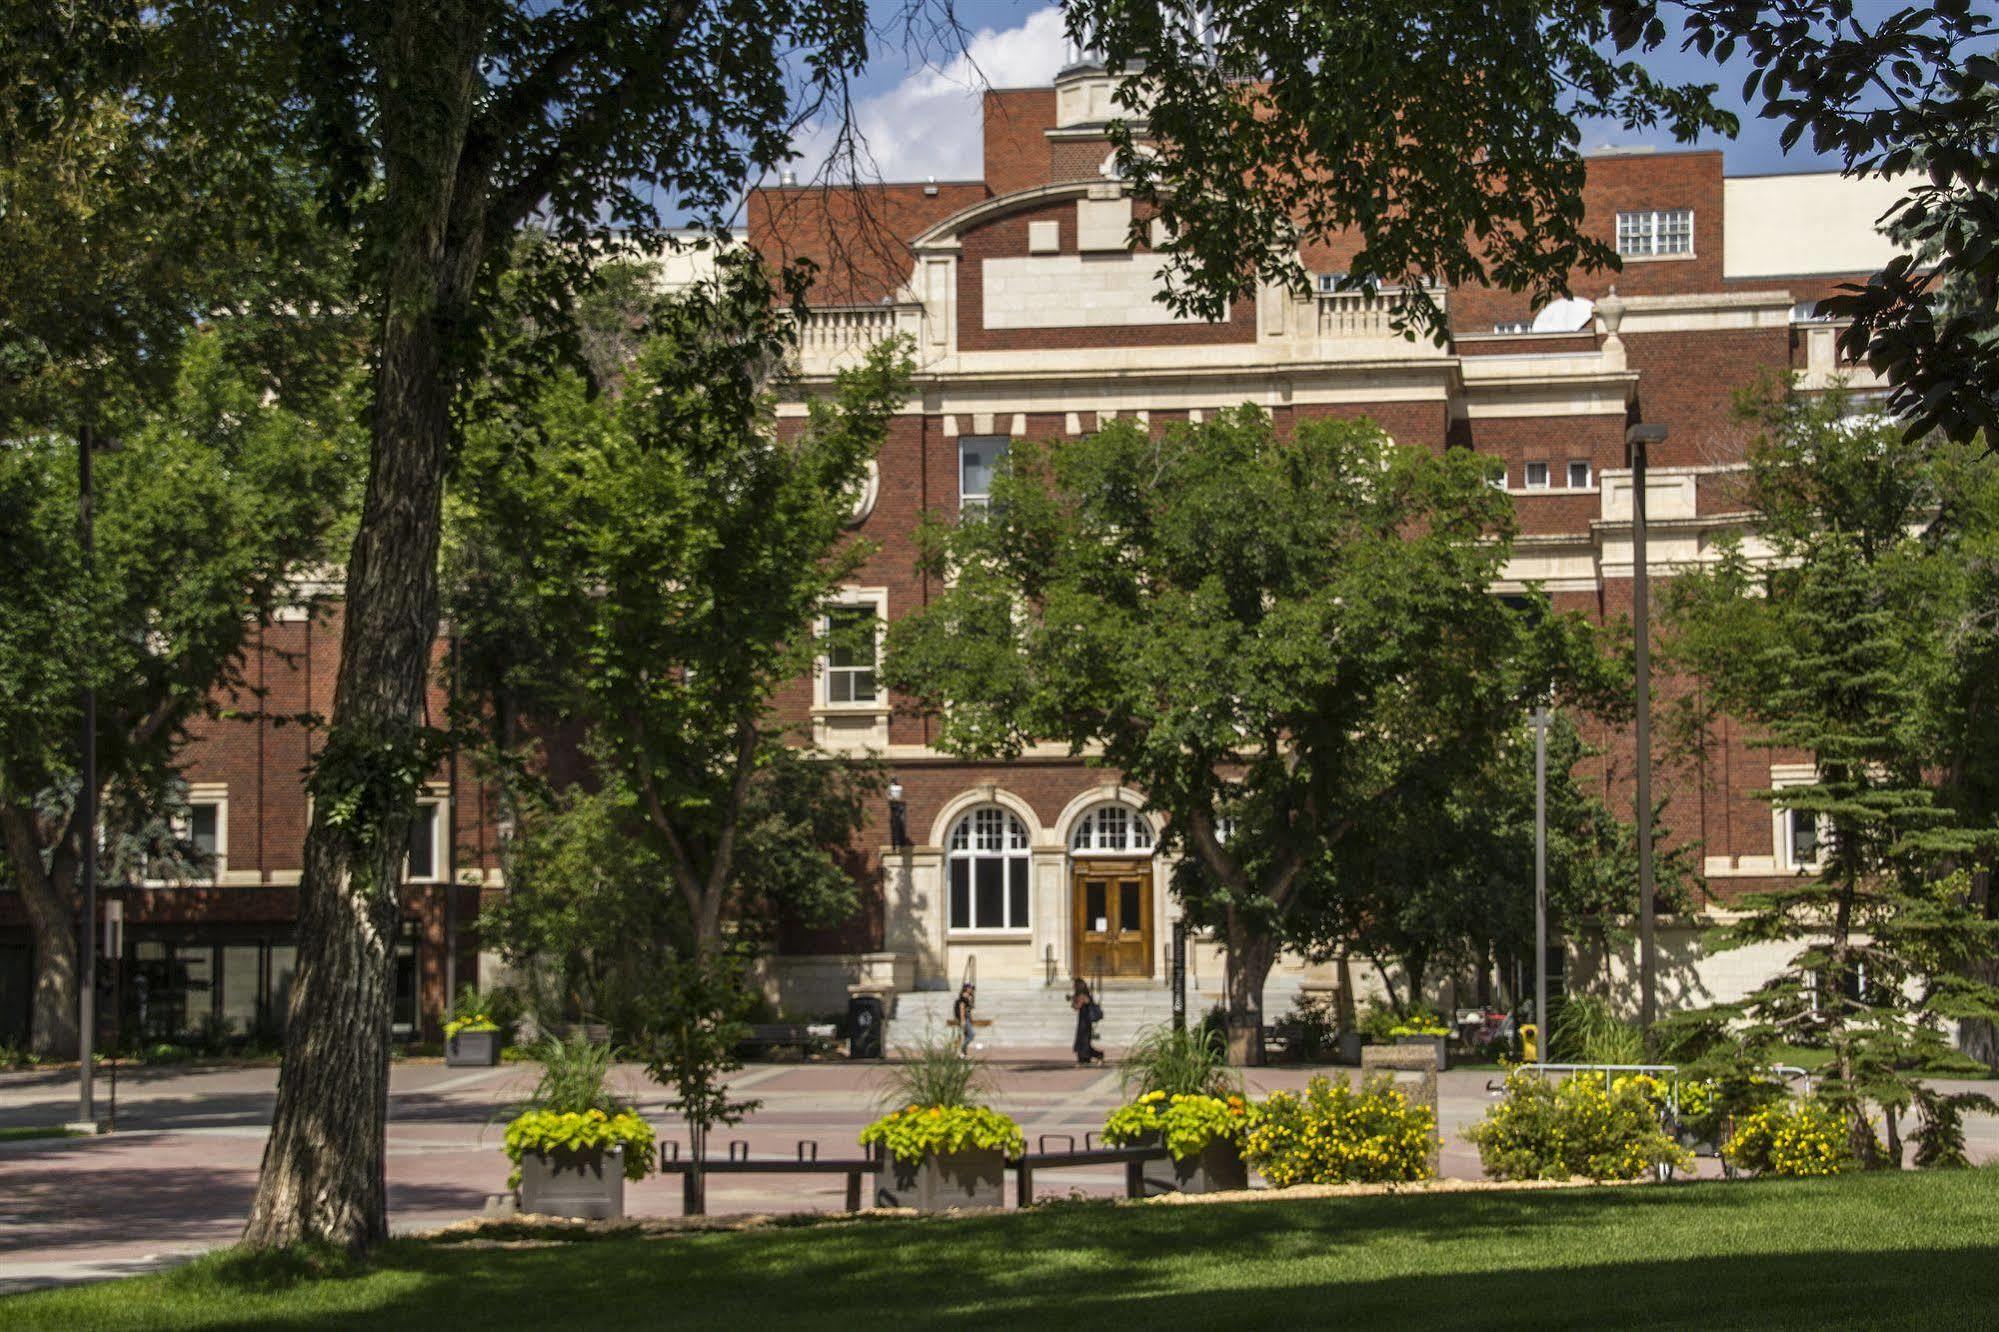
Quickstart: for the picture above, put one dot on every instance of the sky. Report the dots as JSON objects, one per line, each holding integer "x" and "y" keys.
{"x": 920, "y": 118}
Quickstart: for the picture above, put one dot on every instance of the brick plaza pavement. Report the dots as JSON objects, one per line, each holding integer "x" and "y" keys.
{"x": 178, "y": 1176}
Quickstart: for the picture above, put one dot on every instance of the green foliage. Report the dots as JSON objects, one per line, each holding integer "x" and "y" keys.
{"x": 574, "y": 1078}
{"x": 1577, "y": 1128}
{"x": 690, "y": 1042}
{"x": 1263, "y": 130}
{"x": 1378, "y": 1021}
{"x": 918, "y": 1131}
{"x": 650, "y": 563}
{"x": 558, "y": 1133}
{"x": 1939, "y": 1135}
{"x": 1420, "y": 1022}
{"x": 933, "y": 1073}
{"x": 1843, "y": 650}
{"x": 1791, "y": 1138}
{"x": 1270, "y": 637}
{"x": 1589, "y": 1029}
{"x": 1177, "y": 1062}
{"x": 1186, "y": 1123}
{"x": 1336, "y": 1135}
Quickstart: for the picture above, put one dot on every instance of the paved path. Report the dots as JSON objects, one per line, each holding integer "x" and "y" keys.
{"x": 177, "y": 1177}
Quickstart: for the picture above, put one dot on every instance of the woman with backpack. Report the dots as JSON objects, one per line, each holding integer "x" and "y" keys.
{"x": 1088, "y": 1014}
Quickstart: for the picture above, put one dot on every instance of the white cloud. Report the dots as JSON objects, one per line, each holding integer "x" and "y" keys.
{"x": 928, "y": 124}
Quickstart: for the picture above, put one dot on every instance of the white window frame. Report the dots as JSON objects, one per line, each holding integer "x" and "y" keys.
{"x": 1569, "y": 474}
{"x": 1527, "y": 481}
{"x": 873, "y": 599}
{"x": 440, "y": 832}
{"x": 1783, "y": 838}
{"x": 1654, "y": 233}
{"x": 1015, "y": 847}
{"x": 1139, "y": 837}
{"x": 202, "y": 793}
{"x": 979, "y": 502}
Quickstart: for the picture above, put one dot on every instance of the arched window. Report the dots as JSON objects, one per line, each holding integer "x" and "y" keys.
{"x": 988, "y": 871}
{"x": 1112, "y": 830}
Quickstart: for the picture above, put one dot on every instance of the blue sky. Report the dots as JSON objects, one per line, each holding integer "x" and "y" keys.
{"x": 920, "y": 119}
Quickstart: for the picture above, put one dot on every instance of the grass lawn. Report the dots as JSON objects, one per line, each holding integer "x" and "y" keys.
{"x": 1877, "y": 1251}
{"x": 22, "y": 1132}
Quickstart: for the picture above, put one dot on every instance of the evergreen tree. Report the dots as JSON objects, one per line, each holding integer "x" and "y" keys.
{"x": 1833, "y": 646}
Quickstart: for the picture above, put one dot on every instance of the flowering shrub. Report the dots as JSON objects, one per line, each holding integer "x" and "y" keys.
{"x": 475, "y": 1023}
{"x": 1186, "y": 1124}
{"x": 1578, "y": 1127}
{"x": 544, "y": 1132}
{"x": 1335, "y": 1135}
{"x": 917, "y": 1131}
{"x": 1790, "y": 1138}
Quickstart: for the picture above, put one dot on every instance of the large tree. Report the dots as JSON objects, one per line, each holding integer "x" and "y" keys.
{"x": 1443, "y": 139}
{"x": 1836, "y": 649}
{"x": 209, "y": 508}
{"x": 672, "y": 547}
{"x": 1269, "y": 637}
{"x": 437, "y": 130}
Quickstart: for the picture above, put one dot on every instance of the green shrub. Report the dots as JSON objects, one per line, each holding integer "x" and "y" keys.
{"x": 1575, "y": 1128}
{"x": 1378, "y": 1021}
{"x": 1185, "y": 1123}
{"x": 482, "y": 1010}
{"x": 1791, "y": 1138}
{"x": 1589, "y": 1030}
{"x": 1178, "y": 1063}
{"x": 1335, "y": 1135}
{"x": 917, "y": 1131}
{"x": 546, "y": 1132}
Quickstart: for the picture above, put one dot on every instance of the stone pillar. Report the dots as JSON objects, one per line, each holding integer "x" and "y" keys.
{"x": 1413, "y": 1071}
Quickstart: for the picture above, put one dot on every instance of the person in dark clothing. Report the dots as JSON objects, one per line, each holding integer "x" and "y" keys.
{"x": 961, "y": 1013}
{"x": 1087, "y": 1016}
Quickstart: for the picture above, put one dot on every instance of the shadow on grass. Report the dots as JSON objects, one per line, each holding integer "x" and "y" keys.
{"x": 1891, "y": 1251}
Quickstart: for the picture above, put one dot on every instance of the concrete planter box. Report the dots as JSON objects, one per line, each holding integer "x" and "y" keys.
{"x": 1216, "y": 1168}
{"x": 584, "y": 1186}
{"x": 472, "y": 1049}
{"x": 941, "y": 1183}
{"x": 1346, "y": 1048}
{"x": 1441, "y": 1044}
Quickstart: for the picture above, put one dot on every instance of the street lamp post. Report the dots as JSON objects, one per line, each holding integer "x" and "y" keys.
{"x": 1541, "y": 884}
{"x": 86, "y": 1000}
{"x": 1637, "y": 438}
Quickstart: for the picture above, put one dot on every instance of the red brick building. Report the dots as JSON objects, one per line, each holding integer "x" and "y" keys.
{"x": 1034, "y": 316}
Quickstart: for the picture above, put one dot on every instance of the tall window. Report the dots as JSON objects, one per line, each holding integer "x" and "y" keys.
{"x": 1112, "y": 829}
{"x": 989, "y": 871}
{"x": 426, "y": 854}
{"x": 851, "y": 647}
{"x": 1578, "y": 474}
{"x": 1656, "y": 231}
{"x": 1805, "y": 833}
{"x": 978, "y": 457}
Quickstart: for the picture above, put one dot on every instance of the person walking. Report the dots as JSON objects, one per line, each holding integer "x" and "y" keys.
{"x": 961, "y": 1013}
{"x": 1088, "y": 1014}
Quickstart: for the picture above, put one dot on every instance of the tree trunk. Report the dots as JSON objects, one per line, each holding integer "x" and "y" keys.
{"x": 1978, "y": 1038}
{"x": 1251, "y": 953}
{"x": 49, "y": 898}
{"x": 323, "y": 1175}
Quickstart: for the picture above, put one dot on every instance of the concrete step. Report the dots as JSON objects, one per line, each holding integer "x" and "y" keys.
{"x": 1020, "y": 1015}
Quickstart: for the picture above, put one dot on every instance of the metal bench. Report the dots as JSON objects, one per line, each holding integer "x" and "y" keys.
{"x": 800, "y": 1036}
{"x": 807, "y": 1161}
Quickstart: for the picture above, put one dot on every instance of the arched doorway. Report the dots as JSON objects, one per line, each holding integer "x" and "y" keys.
{"x": 1111, "y": 882}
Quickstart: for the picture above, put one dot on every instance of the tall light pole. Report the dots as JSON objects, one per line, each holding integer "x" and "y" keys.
{"x": 1541, "y": 884}
{"x": 1636, "y": 439}
{"x": 86, "y": 999}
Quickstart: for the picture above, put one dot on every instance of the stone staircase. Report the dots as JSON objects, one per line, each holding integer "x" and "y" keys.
{"x": 1029, "y": 1015}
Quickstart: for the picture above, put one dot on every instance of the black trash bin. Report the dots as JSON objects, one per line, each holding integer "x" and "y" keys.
{"x": 865, "y": 1018}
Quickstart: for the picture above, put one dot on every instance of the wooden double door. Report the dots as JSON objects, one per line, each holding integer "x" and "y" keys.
{"x": 1112, "y": 906}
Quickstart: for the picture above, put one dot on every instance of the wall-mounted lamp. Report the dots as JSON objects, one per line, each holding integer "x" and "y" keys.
{"x": 898, "y": 816}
